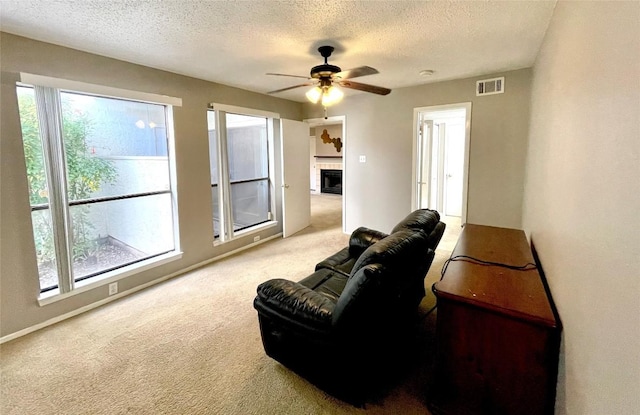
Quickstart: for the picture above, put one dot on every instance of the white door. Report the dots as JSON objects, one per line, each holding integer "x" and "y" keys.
{"x": 436, "y": 188}
{"x": 441, "y": 158}
{"x": 454, "y": 164}
{"x": 312, "y": 163}
{"x": 424, "y": 150}
{"x": 432, "y": 166}
{"x": 296, "y": 201}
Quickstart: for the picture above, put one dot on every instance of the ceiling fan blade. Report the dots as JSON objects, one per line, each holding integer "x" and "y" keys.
{"x": 291, "y": 87}
{"x": 364, "y": 87}
{"x": 355, "y": 72}
{"x": 291, "y": 76}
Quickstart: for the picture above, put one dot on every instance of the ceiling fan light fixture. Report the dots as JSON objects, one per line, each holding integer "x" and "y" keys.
{"x": 314, "y": 94}
{"x": 323, "y": 76}
{"x": 332, "y": 95}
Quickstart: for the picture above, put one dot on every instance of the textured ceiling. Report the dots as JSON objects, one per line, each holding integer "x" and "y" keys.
{"x": 237, "y": 42}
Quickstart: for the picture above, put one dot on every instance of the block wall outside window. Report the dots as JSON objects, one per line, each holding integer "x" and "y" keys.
{"x": 239, "y": 157}
{"x": 99, "y": 182}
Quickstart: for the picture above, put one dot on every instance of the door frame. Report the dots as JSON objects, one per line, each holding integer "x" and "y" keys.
{"x": 415, "y": 202}
{"x": 315, "y": 122}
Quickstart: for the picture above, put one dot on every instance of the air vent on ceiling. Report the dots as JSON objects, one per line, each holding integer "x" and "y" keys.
{"x": 490, "y": 86}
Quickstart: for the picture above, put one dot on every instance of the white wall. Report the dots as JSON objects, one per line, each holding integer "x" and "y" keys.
{"x": 378, "y": 192}
{"x": 581, "y": 201}
{"x": 328, "y": 149}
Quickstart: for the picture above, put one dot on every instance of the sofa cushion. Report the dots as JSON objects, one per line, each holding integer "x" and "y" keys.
{"x": 421, "y": 219}
{"x": 402, "y": 249}
{"x": 326, "y": 282}
{"x": 343, "y": 260}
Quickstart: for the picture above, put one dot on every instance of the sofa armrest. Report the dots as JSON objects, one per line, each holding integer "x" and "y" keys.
{"x": 362, "y": 238}
{"x": 294, "y": 301}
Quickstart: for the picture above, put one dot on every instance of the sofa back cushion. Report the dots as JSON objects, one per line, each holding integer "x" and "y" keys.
{"x": 361, "y": 300}
{"x": 398, "y": 251}
{"x": 436, "y": 235}
{"x": 388, "y": 283}
{"x": 421, "y": 219}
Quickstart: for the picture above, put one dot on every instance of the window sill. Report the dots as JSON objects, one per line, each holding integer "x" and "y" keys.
{"x": 108, "y": 277}
{"x": 247, "y": 232}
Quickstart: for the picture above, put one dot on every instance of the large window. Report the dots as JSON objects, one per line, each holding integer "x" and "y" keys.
{"x": 239, "y": 150}
{"x": 99, "y": 182}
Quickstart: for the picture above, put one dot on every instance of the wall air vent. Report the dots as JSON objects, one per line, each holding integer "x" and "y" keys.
{"x": 490, "y": 86}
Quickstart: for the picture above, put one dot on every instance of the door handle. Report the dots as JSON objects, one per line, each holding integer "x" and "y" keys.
{"x": 286, "y": 186}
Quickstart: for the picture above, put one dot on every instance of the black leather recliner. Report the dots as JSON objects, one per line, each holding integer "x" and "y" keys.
{"x": 341, "y": 326}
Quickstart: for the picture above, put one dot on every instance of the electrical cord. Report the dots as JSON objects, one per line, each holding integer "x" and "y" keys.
{"x": 526, "y": 267}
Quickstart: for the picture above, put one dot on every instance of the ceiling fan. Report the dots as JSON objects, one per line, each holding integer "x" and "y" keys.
{"x": 325, "y": 76}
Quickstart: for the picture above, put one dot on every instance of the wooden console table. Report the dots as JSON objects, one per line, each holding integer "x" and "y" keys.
{"x": 497, "y": 336}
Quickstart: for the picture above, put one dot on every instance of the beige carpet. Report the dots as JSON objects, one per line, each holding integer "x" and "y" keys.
{"x": 192, "y": 345}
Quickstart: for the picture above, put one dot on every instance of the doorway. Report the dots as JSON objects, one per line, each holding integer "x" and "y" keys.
{"x": 316, "y": 160}
{"x": 441, "y": 159}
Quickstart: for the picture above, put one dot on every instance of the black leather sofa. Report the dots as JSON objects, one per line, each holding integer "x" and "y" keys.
{"x": 342, "y": 326}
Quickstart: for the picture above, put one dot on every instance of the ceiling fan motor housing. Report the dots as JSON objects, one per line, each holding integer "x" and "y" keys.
{"x": 324, "y": 71}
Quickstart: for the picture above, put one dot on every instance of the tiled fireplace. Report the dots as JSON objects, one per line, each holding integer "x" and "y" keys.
{"x": 328, "y": 164}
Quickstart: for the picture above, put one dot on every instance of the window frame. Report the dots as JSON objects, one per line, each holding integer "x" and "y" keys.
{"x": 225, "y": 208}
{"x": 47, "y": 93}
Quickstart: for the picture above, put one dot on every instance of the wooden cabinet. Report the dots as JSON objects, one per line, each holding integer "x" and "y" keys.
{"x": 497, "y": 335}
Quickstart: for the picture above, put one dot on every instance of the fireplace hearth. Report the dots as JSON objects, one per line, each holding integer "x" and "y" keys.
{"x": 331, "y": 181}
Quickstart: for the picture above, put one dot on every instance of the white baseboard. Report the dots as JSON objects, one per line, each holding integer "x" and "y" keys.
{"x": 130, "y": 291}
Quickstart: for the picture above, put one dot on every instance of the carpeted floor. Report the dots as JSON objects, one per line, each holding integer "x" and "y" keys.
{"x": 191, "y": 345}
